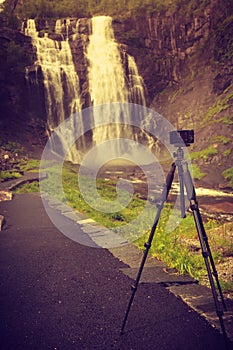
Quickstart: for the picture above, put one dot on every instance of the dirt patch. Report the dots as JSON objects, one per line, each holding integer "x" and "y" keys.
{"x": 218, "y": 208}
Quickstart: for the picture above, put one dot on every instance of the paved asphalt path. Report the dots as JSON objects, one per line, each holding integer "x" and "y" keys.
{"x": 58, "y": 294}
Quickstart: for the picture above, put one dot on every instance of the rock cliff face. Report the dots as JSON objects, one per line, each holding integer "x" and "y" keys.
{"x": 13, "y": 75}
{"x": 18, "y": 113}
{"x": 164, "y": 43}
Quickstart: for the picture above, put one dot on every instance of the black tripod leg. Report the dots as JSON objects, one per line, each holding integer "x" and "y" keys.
{"x": 135, "y": 286}
{"x": 147, "y": 245}
{"x": 179, "y": 157}
{"x": 181, "y": 181}
{"x": 197, "y": 214}
{"x": 206, "y": 252}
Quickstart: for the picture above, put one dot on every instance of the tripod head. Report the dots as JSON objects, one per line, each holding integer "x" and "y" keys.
{"x": 179, "y": 154}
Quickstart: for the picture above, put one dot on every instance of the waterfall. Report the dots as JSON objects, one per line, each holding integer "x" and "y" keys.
{"x": 76, "y": 33}
{"x": 61, "y": 82}
{"x": 108, "y": 82}
{"x": 112, "y": 76}
{"x": 136, "y": 84}
{"x": 106, "y": 73}
{"x": 58, "y": 26}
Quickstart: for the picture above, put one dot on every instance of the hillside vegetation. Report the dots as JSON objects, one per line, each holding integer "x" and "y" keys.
{"x": 84, "y": 8}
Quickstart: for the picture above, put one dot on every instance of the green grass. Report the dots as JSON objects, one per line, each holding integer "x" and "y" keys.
{"x": 228, "y": 174}
{"x": 171, "y": 247}
{"x": 204, "y": 154}
{"x": 227, "y": 152}
{"x": 175, "y": 250}
{"x": 222, "y": 139}
{"x": 30, "y": 165}
{"x": 197, "y": 174}
{"x": 24, "y": 165}
{"x": 222, "y": 103}
{"x": 9, "y": 175}
{"x": 106, "y": 190}
{"x": 227, "y": 119}
{"x": 31, "y": 187}
{"x": 227, "y": 286}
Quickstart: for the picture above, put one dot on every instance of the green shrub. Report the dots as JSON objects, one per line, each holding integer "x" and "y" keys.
{"x": 228, "y": 174}
{"x": 222, "y": 139}
{"x": 9, "y": 175}
{"x": 30, "y": 164}
{"x": 31, "y": 187}
{"x": 197, "y": 174}
{"x": 204, "y": 154}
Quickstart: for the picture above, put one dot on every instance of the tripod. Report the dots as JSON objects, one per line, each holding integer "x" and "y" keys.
{"x": 185, "y": 180}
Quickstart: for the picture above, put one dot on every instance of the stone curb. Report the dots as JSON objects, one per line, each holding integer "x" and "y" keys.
{"x": 11, "y": 185}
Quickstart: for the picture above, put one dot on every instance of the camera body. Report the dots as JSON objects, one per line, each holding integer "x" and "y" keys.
{"x": 179, "y": 138}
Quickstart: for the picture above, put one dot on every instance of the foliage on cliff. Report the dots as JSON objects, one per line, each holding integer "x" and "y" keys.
{"x": 85, "y": 8}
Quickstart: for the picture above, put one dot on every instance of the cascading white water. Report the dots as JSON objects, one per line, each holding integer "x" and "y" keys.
{"x": 58, "y": 26}
{"x": 60, "y": 78}
{"x": 108, "y": 82}
{"x": 61, "y": 82}
{"x": 106, "y": 74}
{"x": 136, "y": 84}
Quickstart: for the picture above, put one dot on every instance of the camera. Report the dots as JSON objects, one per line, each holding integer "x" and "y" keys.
{"x": 179, "y": 138}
